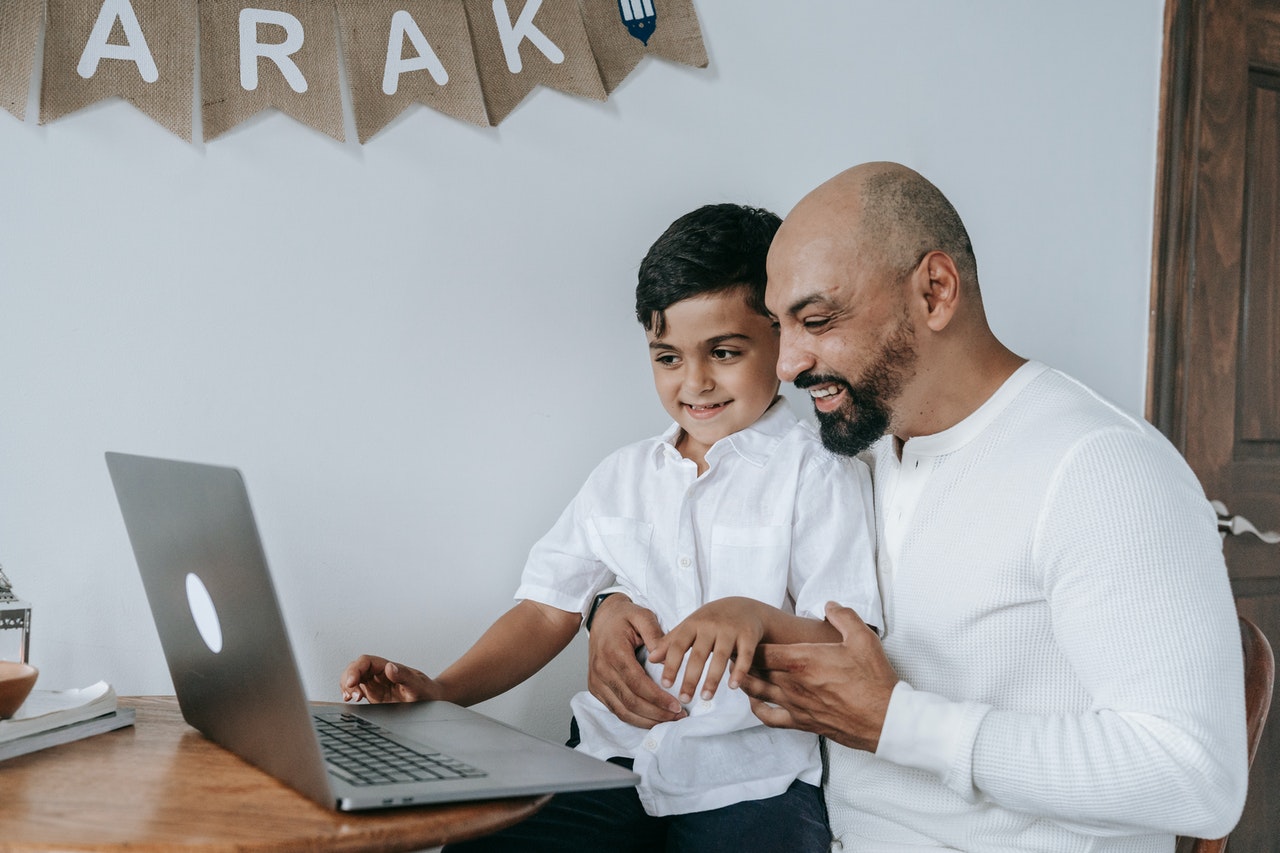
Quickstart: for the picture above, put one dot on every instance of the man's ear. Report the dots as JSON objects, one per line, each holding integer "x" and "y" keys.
{"x": 938, "y": 282}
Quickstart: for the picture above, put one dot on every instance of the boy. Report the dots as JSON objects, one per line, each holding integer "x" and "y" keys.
{"x": 726, "y": 526}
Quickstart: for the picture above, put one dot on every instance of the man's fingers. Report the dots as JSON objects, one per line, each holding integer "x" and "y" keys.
{"x": 646, "y": 706}
{"x": 772, "y": 715}
{"x": 645, "y": 623}
{"x": 844, "y": 619}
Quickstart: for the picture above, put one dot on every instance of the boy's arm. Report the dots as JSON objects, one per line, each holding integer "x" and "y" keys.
{"x": 521, "y": 642}
{"x": 730, "y": 629}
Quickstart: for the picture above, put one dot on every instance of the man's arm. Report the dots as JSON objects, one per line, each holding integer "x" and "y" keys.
{"x": 521, "y": 642}
{"x": 1142, "y": 612}
{"x": 615, "y": 676}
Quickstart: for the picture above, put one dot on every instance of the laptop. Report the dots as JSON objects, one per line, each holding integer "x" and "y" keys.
{"x": 236, "y": 678}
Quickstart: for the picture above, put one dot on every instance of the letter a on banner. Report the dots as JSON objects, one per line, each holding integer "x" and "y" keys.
{"x": 19, "y": 33}
{"x": 256, "y": 54}
{"x": 401, "y": 52}
{"x": 624, "y": 31}
{"x": 139, "y": 50}
{"x": 520, "y": 44}
{"x": 134, "y": 49}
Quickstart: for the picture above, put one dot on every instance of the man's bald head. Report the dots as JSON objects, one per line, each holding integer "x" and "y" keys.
{"x": 888, "y": 214}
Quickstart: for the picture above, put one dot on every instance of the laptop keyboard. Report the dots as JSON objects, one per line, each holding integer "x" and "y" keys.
{"x": 364, "y": 754}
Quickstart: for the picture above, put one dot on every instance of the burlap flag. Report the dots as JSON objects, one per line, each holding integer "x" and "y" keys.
{"x": 401, "y": 52}
{"x": 256, "y": 54}
{"x": 623, "y": 31}
{"x": 19, "y": 33}
{"x": 521, "y": 43}
{"x": 140, "y": 50}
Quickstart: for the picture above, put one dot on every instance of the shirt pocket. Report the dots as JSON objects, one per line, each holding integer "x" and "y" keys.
{"x": 754, "y": 562}
{"x": 622, "y": 544}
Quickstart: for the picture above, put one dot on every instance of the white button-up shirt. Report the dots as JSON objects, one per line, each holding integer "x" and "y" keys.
{"x": 775, "y": 517}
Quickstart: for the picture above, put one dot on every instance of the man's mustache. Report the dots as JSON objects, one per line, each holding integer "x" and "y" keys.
{"x": 809, "y": 380}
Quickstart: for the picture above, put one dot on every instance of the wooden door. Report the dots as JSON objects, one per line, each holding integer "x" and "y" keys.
{"x": 1215, "y": 378}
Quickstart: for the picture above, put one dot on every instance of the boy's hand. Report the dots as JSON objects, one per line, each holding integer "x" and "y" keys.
{"x": 723, "y": 630}
{"x": 379, "y": 680}
{"x": 614, "y": 676}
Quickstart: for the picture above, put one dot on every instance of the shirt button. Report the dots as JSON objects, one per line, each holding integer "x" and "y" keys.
{"x": 650, "y": 744}
{"x": 685, "y": 562}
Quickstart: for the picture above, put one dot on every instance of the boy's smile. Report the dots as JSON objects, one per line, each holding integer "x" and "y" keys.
{"x": 715, "y": 368}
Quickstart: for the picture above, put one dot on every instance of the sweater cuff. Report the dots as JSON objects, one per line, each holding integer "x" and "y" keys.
{"x": 928, "y": 732}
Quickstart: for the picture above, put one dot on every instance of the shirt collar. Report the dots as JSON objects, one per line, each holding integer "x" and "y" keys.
{"x": 755, "y": 443}
{"x": 955, "y": 437}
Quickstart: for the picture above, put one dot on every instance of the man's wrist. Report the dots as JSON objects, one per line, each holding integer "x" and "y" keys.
{"x": 595, "y": 606}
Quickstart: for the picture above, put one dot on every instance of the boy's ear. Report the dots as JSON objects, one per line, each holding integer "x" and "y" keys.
{"x": 938, "y": 282}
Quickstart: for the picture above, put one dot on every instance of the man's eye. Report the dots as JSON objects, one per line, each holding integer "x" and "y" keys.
{"x": 814, "y": 324}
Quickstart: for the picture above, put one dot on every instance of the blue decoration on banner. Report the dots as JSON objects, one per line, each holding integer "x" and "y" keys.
{"x": 639, "y": 17}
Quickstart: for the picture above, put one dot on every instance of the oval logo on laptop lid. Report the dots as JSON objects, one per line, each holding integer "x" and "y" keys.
{"x": 204, "y": 614}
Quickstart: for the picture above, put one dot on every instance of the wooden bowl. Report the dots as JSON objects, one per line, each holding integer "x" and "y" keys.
{"x": 16, "y": 681}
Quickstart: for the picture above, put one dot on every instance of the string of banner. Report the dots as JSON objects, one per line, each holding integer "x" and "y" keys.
{"x": 474, "y": 60}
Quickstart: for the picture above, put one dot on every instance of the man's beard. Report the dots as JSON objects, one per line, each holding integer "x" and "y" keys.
{"x": 865, "y": 414}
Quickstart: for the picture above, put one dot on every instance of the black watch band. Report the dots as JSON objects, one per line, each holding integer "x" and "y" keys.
{"x": 595, "y": 605}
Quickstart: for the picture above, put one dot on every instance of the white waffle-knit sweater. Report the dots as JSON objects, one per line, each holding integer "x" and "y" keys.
{"x": 1058, "y": 610}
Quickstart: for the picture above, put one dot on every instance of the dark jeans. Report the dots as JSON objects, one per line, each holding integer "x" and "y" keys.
{"x": 614, "y": 820}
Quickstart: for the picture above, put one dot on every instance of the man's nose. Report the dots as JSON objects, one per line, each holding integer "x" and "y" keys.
{"x": 793, "y": 359}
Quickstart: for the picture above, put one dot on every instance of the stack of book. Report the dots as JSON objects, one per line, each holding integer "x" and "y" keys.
{"x": 52, "y": 717}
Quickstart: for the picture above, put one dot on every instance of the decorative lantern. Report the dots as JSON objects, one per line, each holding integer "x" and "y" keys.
{"x": 15, "y": 614}
{"x": 639, "y": 18}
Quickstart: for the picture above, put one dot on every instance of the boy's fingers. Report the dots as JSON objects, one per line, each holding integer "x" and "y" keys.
{"x": 700, "y": 655}
{"x": 741, "y": 665}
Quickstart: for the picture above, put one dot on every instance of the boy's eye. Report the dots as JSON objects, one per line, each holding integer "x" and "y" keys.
{"x": 668, "y": 359}
{"x": 722, "y": 354}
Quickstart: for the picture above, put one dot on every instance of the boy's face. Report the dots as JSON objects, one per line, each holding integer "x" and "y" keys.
{"x": 715, "y": 368}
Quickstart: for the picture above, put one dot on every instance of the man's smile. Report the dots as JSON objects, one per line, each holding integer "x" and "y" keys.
{"x": 826, "y": 397}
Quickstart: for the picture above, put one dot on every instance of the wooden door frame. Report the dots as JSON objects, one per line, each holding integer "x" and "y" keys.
{"x": 1173, "y": 250}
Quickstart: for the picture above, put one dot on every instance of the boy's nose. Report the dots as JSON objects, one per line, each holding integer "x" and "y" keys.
{"x": 698, "y": 379}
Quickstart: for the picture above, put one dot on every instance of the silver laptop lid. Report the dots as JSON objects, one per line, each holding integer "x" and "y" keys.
{"x": 193, "y": 533}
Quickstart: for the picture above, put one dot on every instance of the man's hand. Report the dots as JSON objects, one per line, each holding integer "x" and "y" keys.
{"x": 614, "y": 676}
{"x": 379, "y": 680}
{"x": 838, "y": 690}
{"x": 723, "y": 630}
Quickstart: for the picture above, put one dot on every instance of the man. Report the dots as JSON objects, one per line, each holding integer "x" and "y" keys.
{"x": 1060, "y": 667}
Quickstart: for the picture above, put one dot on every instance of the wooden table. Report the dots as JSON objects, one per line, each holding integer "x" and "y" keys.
{"x": 160, "y": 786}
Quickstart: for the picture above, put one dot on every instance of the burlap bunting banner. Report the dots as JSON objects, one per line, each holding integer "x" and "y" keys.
{"x": 521, "y": 43}
{"x": 19, "y": 32}
{"x": 401, "y": 52}
{"x": 139, "y": 50}
{"x": 256, "y": 54}
{"x": 475, "y": 60}
{"x": 622, "y": 32}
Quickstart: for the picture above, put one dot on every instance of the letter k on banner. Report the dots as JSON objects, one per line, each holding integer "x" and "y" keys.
{"x": 521, "y": 43}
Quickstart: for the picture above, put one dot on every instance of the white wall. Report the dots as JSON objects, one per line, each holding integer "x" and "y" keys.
{"x": 416, "y": 349}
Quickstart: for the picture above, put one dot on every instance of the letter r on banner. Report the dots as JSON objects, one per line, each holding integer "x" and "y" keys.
{"x": 134, "y": 50}
{"x": 512, "y": 34}
{"x": 251, "y": 50}
{"x": 403, "y": 24}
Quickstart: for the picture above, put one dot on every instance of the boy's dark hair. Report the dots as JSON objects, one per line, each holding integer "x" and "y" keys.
{"x": 714, "y": 248}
